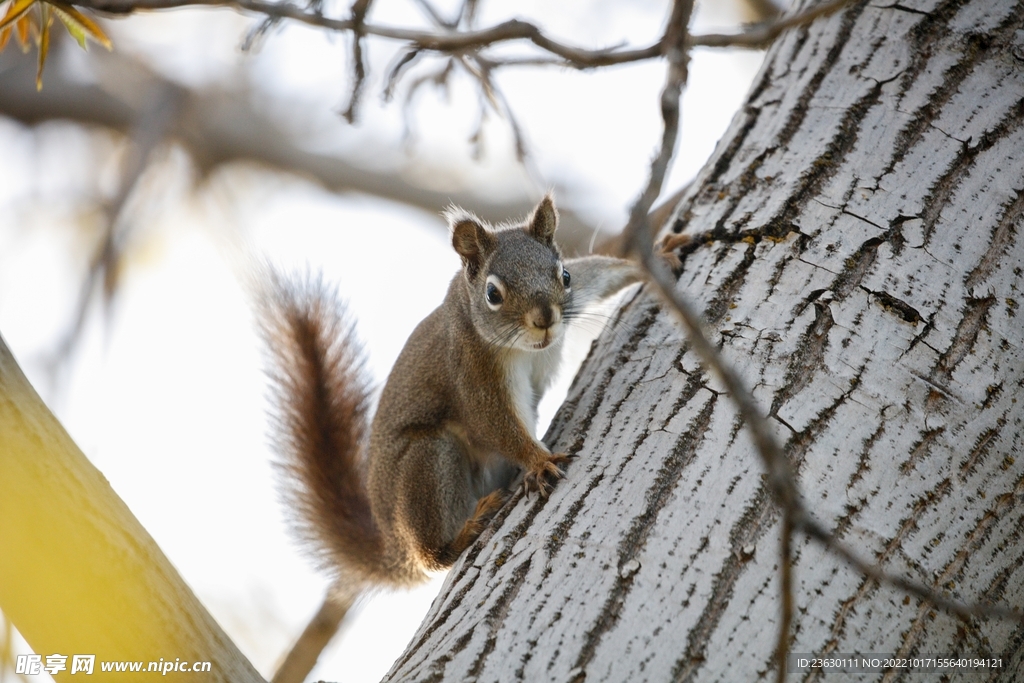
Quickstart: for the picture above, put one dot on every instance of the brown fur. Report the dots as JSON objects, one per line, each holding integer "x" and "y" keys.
{"x": 321, "y": 396}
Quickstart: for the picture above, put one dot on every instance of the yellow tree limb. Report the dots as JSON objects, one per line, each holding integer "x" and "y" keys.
{"x": 78, "y": 573}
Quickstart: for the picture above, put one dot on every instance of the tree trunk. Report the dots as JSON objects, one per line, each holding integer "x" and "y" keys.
{"x": 856, "y": 251}
{"x": 79, "y": 576}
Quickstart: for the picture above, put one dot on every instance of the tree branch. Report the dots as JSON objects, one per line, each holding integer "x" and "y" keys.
{"x": 359, "y": 11}
{"x": 303, "y": 655}
{"x": 219, "y": 126}
{"x": 78, "y": 568}
{"x": 511, "y": 30}
{"x": 148, "y": 133}
{"x": 763, "y": 34}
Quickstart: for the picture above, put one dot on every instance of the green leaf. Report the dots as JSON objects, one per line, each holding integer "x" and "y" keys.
{"x": 80, "y": 26}
{"x": 73, "y": 27}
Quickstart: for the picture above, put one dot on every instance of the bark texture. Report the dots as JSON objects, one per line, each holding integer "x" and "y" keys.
{"x": 857, "y": 252}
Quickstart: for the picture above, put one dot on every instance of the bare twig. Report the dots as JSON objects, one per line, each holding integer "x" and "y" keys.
{"x": 254, "y": 38}
{"x": 467, "y": 13}
{"x": 104, "y": 266}
{"x": 359, "y": 10}
{"x": 497, "y": 100}
{"x": 258, "y": 32}
{"x": 786, "y": 595}
{"x": 761, "y": 35}
{"x": 303, "y": 655}
{"x": 674, "y": 41}
{"x": 403, "y": 62}
{"x": 449, "y": 42}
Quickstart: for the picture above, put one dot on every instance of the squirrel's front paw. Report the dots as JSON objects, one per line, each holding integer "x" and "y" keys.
{"x": 538, "y": 478}
{"x": 668, "y": 250}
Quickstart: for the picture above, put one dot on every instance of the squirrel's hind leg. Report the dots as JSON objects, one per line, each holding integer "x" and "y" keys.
{"x": 486, "y": 507}
{"x": 443, "y": 519}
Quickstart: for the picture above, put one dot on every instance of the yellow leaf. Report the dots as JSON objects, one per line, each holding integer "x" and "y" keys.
{"x": 44, "y": 42}
{"x": 83, "y": 25}
{"x": 5, "y": 35}
{"x": 24, "y": 26}
{"x": 14, "y": 12}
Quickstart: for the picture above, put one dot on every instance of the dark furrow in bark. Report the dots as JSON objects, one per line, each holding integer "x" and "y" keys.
{"x": 925, "y": 35}
{"x": 955, "y": 566}
{"x": 1003, "y": 236}
{"x": 971, "y": 321}
{"x": 868, "y": 586}
{"x": 496, "y": 615}
{"x": 640, "y": 527}
{"x": 808, "y": 360}
{"x": 944, "y": 188}
{"x": 799, "y": 112}
{"x": 579, "y": 433}
{"x": 826, "y": 165}
{"x": 756, "y": 519}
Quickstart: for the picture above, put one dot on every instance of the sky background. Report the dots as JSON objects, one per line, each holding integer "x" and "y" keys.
{"x": 165, "y": 392}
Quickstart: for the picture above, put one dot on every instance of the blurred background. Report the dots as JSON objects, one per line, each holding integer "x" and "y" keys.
{"x": 140, "y": 185}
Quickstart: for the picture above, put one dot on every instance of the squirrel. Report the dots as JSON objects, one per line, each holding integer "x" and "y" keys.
{"x": 456, "y": 419}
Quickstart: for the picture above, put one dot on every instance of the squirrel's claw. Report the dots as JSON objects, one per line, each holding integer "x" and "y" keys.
{"x": 537, "y": 478}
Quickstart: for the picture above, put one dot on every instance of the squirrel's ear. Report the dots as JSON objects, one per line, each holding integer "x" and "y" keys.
{"x": 544, "y": 220}
{"x": 471, "y": 240}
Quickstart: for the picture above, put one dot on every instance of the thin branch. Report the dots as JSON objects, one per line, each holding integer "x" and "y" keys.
{"x": 359, "y": 10}
{"x": 467, "y": 12}
{"x": 258, "y": 32}
{"x": 757, "y": 36}
{"x": 786, "y": 596}
{"x": 636, "y": 233}
{"x": 761, "y": 35}
{"x": 826, "y": 538}
{"x": 481, "y": 71}
{"x": 303, "y": 655}
{"x": 513, "y": 29}
{"x": 401, "y": 64}
{"x": 150, "y": 131}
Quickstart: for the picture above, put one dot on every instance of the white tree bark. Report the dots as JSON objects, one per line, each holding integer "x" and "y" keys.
{"x": 857, "y": 252}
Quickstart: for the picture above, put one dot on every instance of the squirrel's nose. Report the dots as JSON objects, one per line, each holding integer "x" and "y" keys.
{"x": 542, "y": 317}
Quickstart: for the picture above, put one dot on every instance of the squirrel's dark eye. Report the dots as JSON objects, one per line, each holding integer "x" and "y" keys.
{"x": 493, "y": 295}
{"x": 565, "y": 278}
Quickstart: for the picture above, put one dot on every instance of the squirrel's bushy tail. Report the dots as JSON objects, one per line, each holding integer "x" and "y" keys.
{"x": 321, "y": 402}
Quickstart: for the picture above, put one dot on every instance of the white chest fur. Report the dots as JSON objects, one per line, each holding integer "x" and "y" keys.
{"x": 529, "y": 374}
